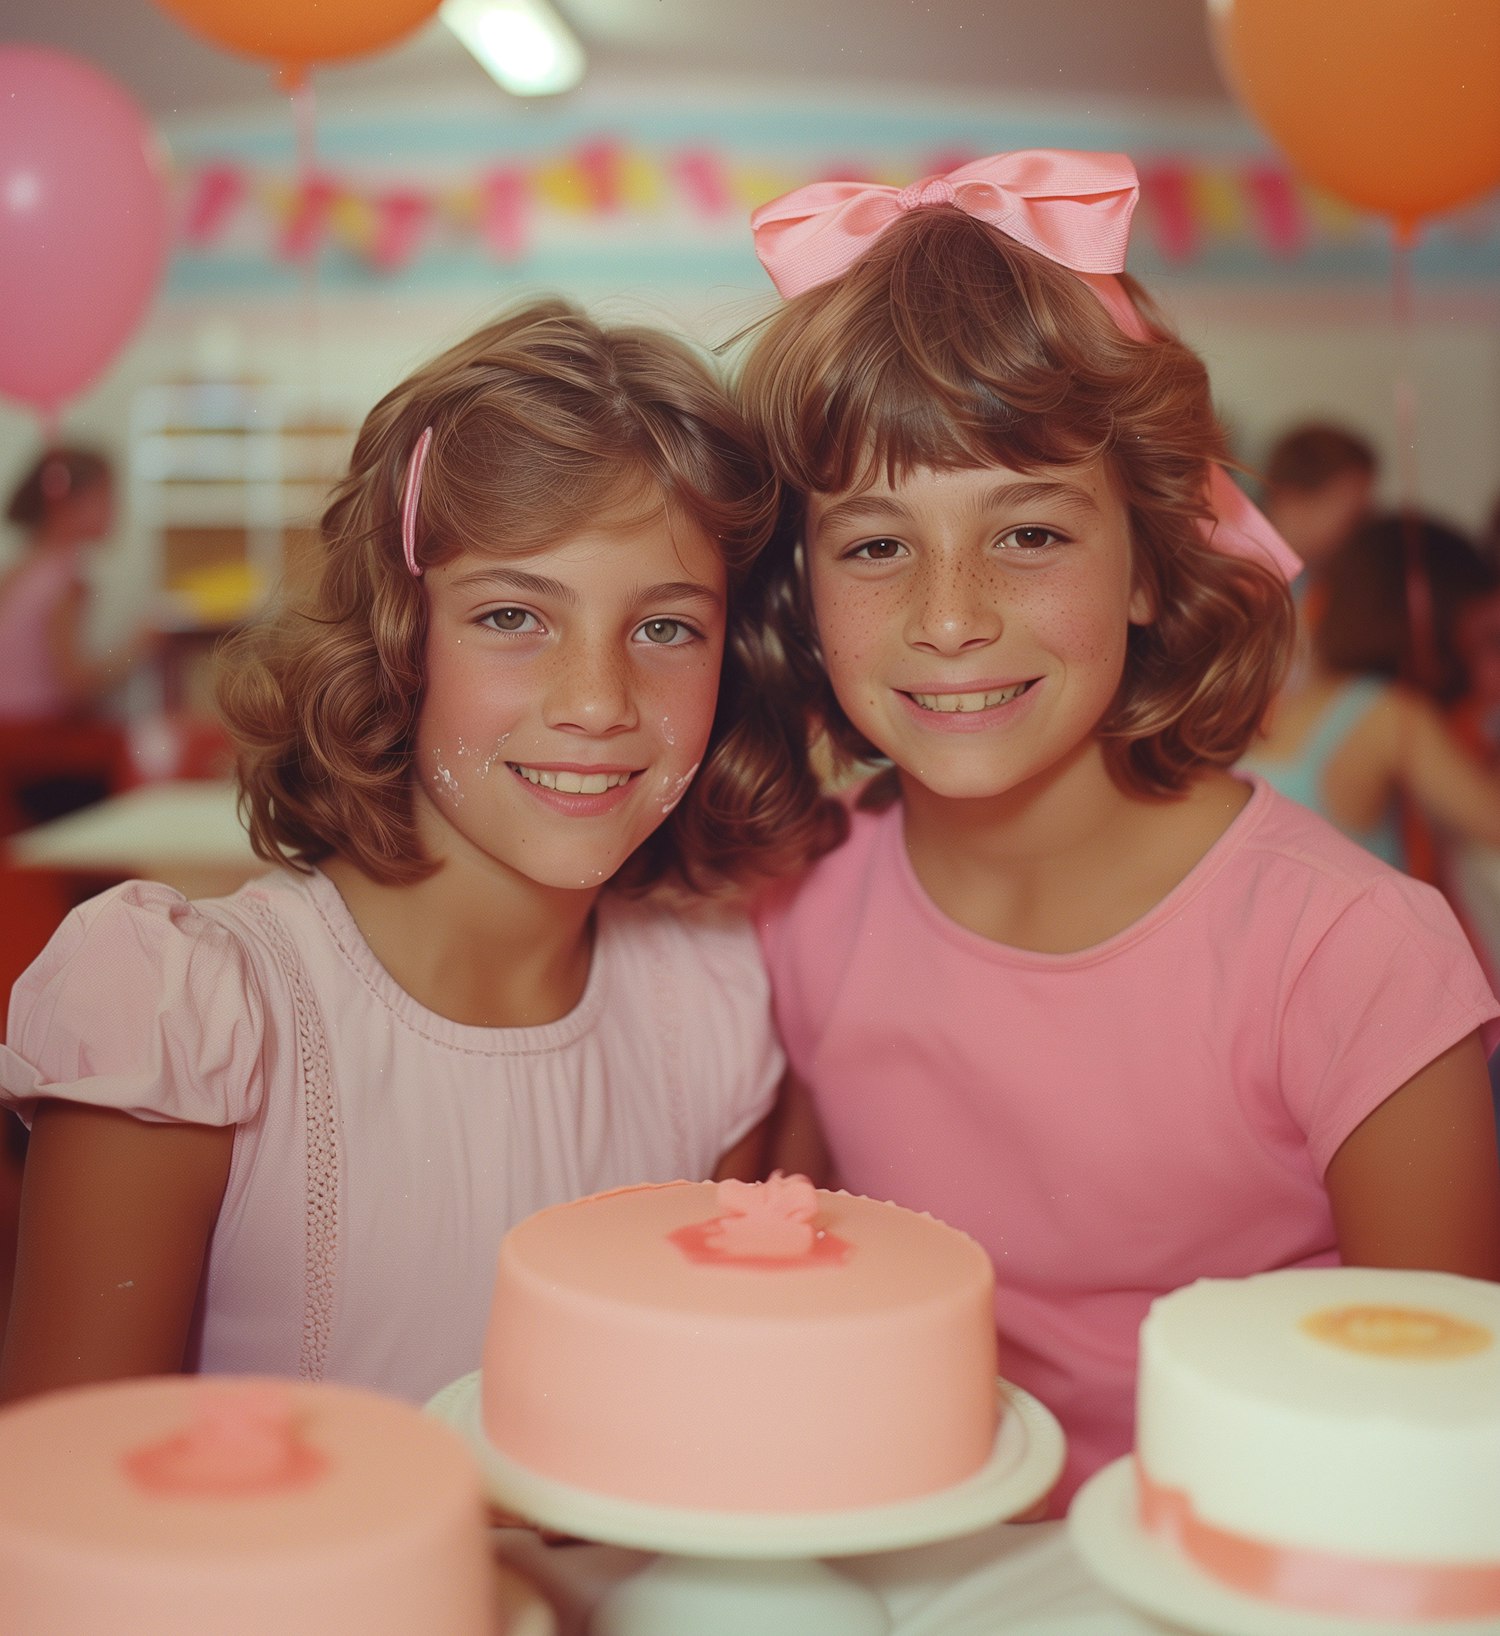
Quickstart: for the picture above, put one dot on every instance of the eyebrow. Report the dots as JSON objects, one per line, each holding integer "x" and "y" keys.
{"x": 543, "y": 585}
{"x": 1003, "y": 496}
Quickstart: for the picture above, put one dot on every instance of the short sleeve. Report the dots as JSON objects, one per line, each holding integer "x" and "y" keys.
{"x": 143, "y": 1002}
{"x": 1392, "y": 983}
{"x": 732, "y": 1053}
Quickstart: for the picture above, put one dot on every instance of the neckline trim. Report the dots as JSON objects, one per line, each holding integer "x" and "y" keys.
{"x": 357, "y": 954}
{"x": 1167, "y": 908}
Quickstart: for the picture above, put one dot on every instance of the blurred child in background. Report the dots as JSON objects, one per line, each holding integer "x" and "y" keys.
{"x": 55, "y": 752}
{"x": 1354, "y": 736}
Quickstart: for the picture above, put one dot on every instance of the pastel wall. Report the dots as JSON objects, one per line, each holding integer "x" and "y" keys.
{"x": 413, "y": 222}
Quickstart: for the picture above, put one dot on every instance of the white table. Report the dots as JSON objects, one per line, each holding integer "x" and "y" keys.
{"x": 183, "y": 833}
{"x": 1012, "y": 1579}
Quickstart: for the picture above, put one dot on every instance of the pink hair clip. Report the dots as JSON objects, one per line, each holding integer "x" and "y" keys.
{"x": 411, "y": 495}
{"x": 1073, "y": 208}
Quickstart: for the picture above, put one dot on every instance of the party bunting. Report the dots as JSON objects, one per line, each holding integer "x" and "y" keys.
{"x": 1188, "y": 206}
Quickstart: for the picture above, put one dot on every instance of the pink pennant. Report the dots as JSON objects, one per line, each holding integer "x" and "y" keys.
{"x": 701, "y": 173}
{"x": 505, "y": 212}
{"x": 400, "y": 217}
{"x": 217, "y": 189}
{"x": 306, "y": 227}
{"x": 599, "y": 163}
{"x": 1166, "y": 188}
{"x": 1278, "y": 214}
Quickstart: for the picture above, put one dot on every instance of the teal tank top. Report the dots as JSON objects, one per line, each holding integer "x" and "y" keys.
{"x": 1301, "y": 777}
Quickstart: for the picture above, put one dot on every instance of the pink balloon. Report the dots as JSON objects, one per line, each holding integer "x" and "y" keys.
{"x": 83, "y": 223}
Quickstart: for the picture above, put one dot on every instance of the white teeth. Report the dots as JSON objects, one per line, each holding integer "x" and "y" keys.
{"x": 953, "y": 704}
{"x": 570, "y": 783}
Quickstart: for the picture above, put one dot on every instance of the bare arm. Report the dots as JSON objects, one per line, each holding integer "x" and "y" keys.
{"x": 1449, "y": 784}
{"x": 83, "y": 675}
{"x": 743, "y": 1162}
{"x": 1417, "y": 1183}
{"x": 116, "y": 1216}
{"x": 795, "y": 1141}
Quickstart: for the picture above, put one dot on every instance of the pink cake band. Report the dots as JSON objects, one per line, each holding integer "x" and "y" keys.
{"x": 1318, "y": 1581}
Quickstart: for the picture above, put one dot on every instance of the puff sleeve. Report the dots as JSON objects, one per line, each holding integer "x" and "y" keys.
{"x": 143, "y": 1002}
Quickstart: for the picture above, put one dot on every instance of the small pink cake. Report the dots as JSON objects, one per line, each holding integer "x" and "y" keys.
{"x": 758, "y": 1347}
{"x": 177, "y": 1506}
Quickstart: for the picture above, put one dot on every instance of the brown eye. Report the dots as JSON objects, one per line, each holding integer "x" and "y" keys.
{"x": 878, "y": 550}
{"x": 1031, "y": 537}
{"x": 508, "y": 619}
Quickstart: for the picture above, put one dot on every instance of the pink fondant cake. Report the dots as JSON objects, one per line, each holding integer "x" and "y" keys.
{"x": 748, "y": 1347}
{"x": 174, "y": 1507}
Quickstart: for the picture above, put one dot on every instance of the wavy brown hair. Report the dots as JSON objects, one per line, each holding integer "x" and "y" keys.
{"x": 541, "y": 420}
{"x": 950, "y": 346}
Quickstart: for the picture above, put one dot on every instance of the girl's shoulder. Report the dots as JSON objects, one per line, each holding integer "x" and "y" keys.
{"x": 145, "y": 1001}
{"x": 1303, "y": 879}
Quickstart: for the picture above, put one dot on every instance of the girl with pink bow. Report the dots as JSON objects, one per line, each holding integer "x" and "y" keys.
{"x": 1069, "y": 982}
{"x": 283, "y": 1132}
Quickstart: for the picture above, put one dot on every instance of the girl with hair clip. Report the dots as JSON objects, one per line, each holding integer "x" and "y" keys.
{"x": 283, "y": 1132}
{"x": 1069, "y": 983}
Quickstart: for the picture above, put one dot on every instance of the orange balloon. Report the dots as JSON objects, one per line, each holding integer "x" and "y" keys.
{"x": 297, "y": 33}
{"x": 1391, "y": 105}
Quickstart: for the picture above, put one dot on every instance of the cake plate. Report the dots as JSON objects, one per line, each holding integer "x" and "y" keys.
{"x": 1150, "y": 1573}
{"x": 744, "y": 1574}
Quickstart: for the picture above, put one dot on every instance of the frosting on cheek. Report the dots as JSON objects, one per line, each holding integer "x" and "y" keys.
{"x": 444, "y": 779}
{"x": 486, "y": 767}
{"x": 673, "y": 789}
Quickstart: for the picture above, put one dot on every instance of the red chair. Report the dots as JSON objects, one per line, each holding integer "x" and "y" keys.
{"x": 96, "y": 752}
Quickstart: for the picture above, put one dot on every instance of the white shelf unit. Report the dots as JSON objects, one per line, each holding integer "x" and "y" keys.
{"x": 222, "y": 477}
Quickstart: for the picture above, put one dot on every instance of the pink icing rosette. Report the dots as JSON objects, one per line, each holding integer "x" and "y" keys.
{"x": 769, "y": 1224}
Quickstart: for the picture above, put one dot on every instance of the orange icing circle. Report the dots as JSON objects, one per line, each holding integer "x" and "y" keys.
{"x": 1415, "y": 1333}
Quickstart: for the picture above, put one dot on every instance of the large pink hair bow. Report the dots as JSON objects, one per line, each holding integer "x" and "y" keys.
{"x": 1073, "y": 208}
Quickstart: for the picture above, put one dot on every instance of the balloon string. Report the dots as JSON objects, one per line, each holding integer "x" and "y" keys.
{"x": 305, "y": 118}
{"x": 1421, "y": 658}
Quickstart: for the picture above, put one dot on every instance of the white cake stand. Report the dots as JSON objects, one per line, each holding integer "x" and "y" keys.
{"x": 1150, "y": 1573}
{"x": 744, "y": 1574}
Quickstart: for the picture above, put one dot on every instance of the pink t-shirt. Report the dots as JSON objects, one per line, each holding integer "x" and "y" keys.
{"x": 1115, "y": 1123}
{"x": 30, "y": 688}
{"x": 382, "y": 1150}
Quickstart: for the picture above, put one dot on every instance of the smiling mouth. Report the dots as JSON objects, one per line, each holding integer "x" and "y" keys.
{"x": 567, "y": 783}
{"x": 957, "y": 704}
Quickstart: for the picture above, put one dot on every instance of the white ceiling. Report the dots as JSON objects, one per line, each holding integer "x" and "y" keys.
{"x": 1155, "y": 50}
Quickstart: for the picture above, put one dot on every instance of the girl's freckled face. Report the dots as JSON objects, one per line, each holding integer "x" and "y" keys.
{"x": 974, "y": 622}
{"x": 565, "y": 690}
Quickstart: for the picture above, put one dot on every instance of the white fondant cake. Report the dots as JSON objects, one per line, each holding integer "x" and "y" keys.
{"x": 1301, "y": 1432}
{"x": 178, "y": 1506}
{"x": 751, "y": 1347}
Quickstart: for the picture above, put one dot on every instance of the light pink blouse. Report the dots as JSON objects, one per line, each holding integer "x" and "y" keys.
{"x": 382, "y": 1150}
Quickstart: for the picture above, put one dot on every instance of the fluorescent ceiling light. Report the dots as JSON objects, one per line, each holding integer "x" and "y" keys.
{"x": 522, "y": 44}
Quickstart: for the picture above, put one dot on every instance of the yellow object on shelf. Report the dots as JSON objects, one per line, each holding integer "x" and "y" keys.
{"x": 219, "y": 594}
